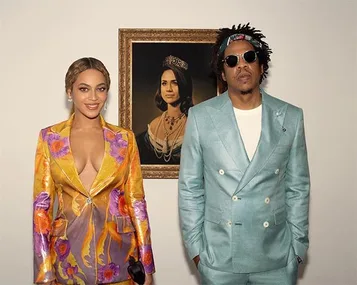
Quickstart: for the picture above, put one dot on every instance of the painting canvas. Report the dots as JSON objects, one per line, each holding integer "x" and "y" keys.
{"x": 162, "y": 73}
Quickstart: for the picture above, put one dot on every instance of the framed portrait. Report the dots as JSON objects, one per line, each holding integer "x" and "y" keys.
{"x": 163, "y": 73}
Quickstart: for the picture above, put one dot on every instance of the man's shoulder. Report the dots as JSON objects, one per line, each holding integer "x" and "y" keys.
{"x": 214, "y": 102}
{"x": 277, "y": 103}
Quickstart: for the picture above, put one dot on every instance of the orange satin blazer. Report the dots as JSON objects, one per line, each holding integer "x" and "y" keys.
{"x": 94, "y": 232}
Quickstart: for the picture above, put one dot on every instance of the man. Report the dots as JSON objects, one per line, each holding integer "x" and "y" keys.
{"x": 244, "y": 178}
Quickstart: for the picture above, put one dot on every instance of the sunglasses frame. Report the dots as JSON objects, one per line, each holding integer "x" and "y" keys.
{"x": 238, "y": 56}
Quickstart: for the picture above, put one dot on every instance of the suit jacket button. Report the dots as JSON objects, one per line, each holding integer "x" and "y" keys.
{"x": 221, "y": 171}
{"x": 277, "y": 171}
{"x": 89, "y": 200}
{"x": 235, "y": 198}
{"x": 229, "y": 223}
{"x": 266, "y": 224}
{"x": 267, "y": 200}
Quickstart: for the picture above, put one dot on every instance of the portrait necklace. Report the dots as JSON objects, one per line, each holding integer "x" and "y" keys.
{"x": 171, "y": 121}
{"x": 175, "y": 128}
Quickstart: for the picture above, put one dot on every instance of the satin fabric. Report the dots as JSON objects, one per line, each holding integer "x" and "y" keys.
{"x": 94, "y": 232}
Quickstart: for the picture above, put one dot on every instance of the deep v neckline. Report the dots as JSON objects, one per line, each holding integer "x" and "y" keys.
{"x": 74, "y": 162}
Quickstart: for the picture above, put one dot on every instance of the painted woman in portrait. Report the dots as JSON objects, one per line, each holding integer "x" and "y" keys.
{"x": 92, "y": 169}
{"x": 161, "y": 142}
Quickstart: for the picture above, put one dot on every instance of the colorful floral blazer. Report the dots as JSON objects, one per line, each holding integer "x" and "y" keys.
{"x": 94, "y": 232}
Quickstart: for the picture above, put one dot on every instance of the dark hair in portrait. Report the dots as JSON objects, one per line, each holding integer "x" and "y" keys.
{"x": 262, "y": 53}
{"x": 160, "y": 111}
{"x": 184, "y": 82}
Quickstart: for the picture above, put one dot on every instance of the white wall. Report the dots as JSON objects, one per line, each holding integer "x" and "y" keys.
{"x": 313, "y": 66}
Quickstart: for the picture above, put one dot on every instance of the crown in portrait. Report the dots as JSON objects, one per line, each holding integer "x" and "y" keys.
{"x": 173, "y": 60}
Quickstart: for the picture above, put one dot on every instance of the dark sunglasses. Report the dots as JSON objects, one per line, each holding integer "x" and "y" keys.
{"x": 233, "y": 59}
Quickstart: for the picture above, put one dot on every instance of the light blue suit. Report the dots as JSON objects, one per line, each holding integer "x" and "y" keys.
{"x": 241, "y": 216}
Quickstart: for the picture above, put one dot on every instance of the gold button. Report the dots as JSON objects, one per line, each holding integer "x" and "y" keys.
{"x": 266, "y": 224}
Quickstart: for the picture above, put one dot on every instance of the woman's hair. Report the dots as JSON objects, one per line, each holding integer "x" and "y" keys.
{"x": 263, "y": 52}
{"x": 184, "y": 82}
{"x": 84, "y": 64}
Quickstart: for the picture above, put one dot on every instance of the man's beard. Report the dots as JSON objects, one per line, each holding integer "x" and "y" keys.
{"x": 246, "y": 92}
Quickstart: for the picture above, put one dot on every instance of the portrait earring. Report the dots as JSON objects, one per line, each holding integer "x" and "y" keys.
{"x": 105, "y": 106}
{"x": 70, "y": 99}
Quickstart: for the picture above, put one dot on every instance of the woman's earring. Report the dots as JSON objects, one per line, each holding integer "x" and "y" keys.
{"x": 105, "y": 106}
{"x": 70, "y": 99}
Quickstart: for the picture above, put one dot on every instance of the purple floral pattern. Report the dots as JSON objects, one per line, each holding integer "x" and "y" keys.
{"x": 140, "y": 210}
{"x": 147, "y": 258}
{"x": 42, "y": 201}
{"x": 41, "y": 223}
{"x": 118, "y": 145}
{"x": 62, "y": 248}
{"x": 58, "y": 146}
{"x": 117, "y": 205}
{"x": 108, "y": 272}
{"x": 70, "y": 270}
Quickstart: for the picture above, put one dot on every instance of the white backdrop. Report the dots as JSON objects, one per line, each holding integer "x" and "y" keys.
{"x": 313, "y": 66}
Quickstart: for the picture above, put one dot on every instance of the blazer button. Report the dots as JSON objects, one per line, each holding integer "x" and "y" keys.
{"x": 277, "y": 171}
{"x": 89, "y": 200}
{"x": 267, "y": 200}
{"x": 266, "y": 224}
{"x": 221, "y": 171}
{"x": 235, "y": 198}
{"x": 229, "y": 223}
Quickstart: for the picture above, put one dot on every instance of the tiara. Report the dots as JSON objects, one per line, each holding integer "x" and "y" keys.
{"x": 173, "y": 60}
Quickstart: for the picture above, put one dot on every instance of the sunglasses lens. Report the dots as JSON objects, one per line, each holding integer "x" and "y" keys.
{"x": 250, "y": 56}
{"x": 231, "y": 60}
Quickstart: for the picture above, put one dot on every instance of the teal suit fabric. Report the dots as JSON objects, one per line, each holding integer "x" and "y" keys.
{"x": 244, "y": 216}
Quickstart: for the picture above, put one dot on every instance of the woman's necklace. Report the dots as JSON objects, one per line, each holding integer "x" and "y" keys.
{"x": 166, "y": 151}
{"x": 171, "y": 121}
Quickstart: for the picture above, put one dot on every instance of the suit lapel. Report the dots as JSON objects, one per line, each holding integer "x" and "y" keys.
{"x": 226, "y": 126}
{"x": 273, "y": 114}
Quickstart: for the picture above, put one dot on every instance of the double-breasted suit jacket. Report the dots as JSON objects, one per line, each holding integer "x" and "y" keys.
{"x": 238, "y": 215}
{"x": 94, "y": 232}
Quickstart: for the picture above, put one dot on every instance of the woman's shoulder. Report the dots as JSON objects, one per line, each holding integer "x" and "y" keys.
{"x": 153, "y": 124}
{"x": 118, "y": 129}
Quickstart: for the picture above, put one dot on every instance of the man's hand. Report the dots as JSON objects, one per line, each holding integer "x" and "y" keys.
{"x": 196, "y": 260}
{"x": 148, "y": 279}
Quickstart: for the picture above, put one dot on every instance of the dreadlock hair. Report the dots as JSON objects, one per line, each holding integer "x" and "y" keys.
{"x": 223, "y": 33}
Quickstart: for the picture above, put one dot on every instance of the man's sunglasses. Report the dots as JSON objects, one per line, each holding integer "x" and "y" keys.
{"x": 233, "y": 59}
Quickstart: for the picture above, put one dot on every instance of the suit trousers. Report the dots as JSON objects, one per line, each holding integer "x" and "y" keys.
{"x": 283, "y": 276}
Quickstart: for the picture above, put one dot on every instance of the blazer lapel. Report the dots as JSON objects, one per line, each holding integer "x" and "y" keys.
{"x": 60, "y": 149}
{"x": 273, "y": 114}
{"x": 226, "y": 126}
{"x": 116, "y": 149}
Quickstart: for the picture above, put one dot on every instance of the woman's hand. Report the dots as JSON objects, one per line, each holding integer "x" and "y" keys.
{"x": 148, "y": 279}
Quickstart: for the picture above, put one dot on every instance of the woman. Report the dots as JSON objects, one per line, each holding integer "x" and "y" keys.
{"x": 94, "y": 170}
{"x": 161, "y": 143}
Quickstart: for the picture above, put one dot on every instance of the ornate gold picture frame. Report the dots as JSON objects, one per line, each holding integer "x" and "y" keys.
{"x": 141, "y": 56}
